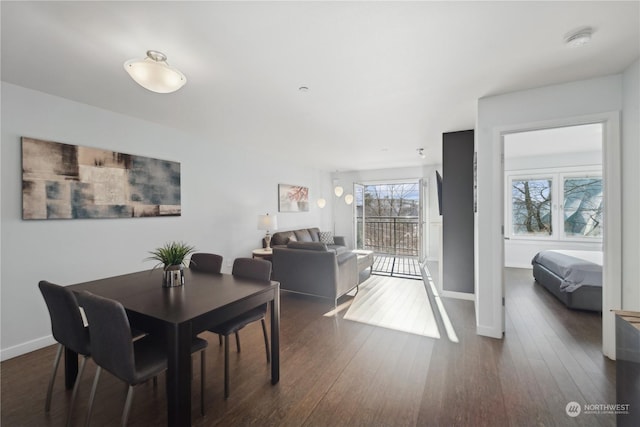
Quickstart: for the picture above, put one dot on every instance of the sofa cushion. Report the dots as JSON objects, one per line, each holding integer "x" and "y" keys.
{"x": 338, "y": 249}
{"x": 292, "y": 238}
{"x": 281, "y": 238}
{"x": 326, "y": 237}
{"x": 315, "y": 234}
{"x": 311, "y": 246}
{"x": 303, "y": 235}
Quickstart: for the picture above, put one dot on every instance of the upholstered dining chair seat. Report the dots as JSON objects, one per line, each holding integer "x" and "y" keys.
{"x": 235, "y": 324}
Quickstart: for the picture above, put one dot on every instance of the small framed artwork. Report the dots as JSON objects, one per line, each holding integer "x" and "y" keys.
{"x": 293, "y": 198}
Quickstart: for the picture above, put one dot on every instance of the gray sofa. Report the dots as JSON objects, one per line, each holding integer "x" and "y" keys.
{"x": 306, "y": 265}
{"x": 283, "y": 238}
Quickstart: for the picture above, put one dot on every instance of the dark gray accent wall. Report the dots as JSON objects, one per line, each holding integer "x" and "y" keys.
{"x": 457, "y": 211}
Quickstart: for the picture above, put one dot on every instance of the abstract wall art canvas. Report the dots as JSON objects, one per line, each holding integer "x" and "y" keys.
{"x": 293, "y": 198}
{"x": 63, "y": 181}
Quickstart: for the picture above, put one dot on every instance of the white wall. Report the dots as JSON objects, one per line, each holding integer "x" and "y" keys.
{"x": 224, "y": 188}
{"x": 344, "y": 213}
{"x": 631, "y": 188}
{"x": 542, "y": 107}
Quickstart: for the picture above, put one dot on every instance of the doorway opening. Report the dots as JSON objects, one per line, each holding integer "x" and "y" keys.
{"x": 554, "y": 201}
{"x": 388, "y": 222}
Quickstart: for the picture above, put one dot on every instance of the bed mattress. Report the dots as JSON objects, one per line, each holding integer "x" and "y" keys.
{"x": 574, "y": 277}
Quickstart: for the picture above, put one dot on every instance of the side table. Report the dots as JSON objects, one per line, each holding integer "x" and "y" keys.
{"x": 262, "y": 253}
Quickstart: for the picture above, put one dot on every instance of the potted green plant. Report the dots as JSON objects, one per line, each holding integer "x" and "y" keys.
{"x": 172, "y": 257}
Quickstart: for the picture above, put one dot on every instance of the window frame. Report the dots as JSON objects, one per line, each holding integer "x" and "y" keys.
{"x": 563, "y": 177}
{"x": 557, "y": 177}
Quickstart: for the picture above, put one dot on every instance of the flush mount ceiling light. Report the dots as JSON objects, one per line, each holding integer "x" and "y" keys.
{"x": 421, "y": 153}
{"x": 154, "y": 74}
{"x": 579, "y": 37}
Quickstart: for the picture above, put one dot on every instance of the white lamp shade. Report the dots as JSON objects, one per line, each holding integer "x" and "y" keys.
{"x": 348, "y": 199}
{"x": 154, "y": 74}
{"x": 338, "y": 191}
{"x": 267, "y": 222}
{"x": 321, "y": 203}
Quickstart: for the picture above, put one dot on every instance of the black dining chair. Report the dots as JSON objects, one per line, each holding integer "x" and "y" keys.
{"x": 249, "y": 268}
{"x": 68, "y": 330}
{"x": 114, "y": 350}
{"x": 206, "y": 263}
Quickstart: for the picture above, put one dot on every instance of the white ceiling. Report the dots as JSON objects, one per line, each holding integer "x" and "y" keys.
{"x": 385, "y": 78}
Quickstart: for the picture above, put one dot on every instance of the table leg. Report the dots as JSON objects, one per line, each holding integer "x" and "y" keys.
{"x": 275, "y": 338}
{"x": 70, "y": 368}
{"x": 179, "y": 374}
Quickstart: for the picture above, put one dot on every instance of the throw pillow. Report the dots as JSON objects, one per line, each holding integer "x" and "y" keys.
{"x": 326, "y": 237}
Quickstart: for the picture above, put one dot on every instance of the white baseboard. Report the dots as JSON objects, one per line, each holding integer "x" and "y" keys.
{"x": 26, "y": 347}
{"x": 526, "y": 266}
{"x": 458, "y": 295}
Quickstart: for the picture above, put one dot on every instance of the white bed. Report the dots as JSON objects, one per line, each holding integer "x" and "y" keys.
{"x": 574, "y": 277}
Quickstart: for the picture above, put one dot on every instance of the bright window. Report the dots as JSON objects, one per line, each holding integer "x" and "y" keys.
{"x": 583, "y": 205}
{"x": 531, "y": 206}
{"x": 556, "y": 206}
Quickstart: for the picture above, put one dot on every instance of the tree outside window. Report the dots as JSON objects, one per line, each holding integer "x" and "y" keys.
{"x": 557, "y": 206}
{"x": 531, "y": 207}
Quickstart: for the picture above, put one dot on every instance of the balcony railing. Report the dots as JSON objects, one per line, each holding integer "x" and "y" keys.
{"x": 390, "y": 235}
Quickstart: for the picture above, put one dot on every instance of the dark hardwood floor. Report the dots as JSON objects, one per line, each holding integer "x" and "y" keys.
{"x": 335, "y": 372}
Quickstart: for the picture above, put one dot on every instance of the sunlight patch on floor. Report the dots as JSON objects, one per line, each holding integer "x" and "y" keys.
{"x": 448, "y": 326}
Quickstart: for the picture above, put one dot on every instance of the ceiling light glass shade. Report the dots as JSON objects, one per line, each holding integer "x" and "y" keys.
{"x": 338, "y": 191}
{"x": 154, "y": 74}
{"x": 579, "y": 37}
{"x": 321, "y": 203}
{"x": 348, "y": 199}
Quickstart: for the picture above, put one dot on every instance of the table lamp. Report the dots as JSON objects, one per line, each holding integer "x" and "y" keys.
{"x": 267, "y": 222}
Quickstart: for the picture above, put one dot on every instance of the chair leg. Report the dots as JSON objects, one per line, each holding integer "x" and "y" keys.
{"x": 202, "y": 379}
{"x": 238, "y": 342}
{"x": 93, "y": 395}
{"x": 226, "y": 366}
{"x": 127, "y": 406}
{"x": 266, "y": 339}
{"x": 56, "y": 362}
{"x": 76, "y": 386}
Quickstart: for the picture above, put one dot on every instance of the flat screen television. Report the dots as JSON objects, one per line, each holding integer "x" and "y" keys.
{"x": 439, "y": 186}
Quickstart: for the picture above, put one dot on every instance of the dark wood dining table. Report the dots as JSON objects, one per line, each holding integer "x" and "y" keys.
{"x": 179, "y": 313}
